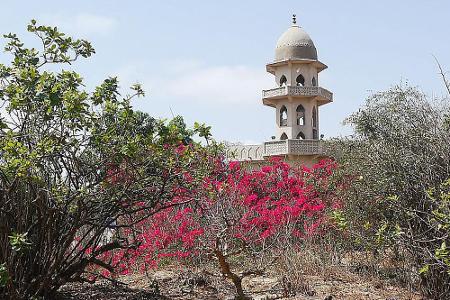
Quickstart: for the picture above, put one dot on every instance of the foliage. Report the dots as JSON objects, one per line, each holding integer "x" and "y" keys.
{"x": 240, "y": 215}
{"x": 397, "y": 160}
{"x": 76, "y": 164}
{"x": 4, "y": 276}
{"x": 439, "y": 219}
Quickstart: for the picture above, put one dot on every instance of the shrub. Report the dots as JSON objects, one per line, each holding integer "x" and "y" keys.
{"x": 240, "y": 218}
{"x": 399, "y": 153}
{"x": 76, "y": 165}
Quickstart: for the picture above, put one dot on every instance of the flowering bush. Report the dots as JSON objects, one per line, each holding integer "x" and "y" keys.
{"x": 237, "y": 212}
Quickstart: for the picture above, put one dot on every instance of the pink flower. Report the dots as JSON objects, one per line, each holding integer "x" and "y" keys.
{"x": 266, "y": 169}
{"x": 125, "y": 272}
{"x": 180, "y": 149}
{"x": 234, "y": 165}
{"x": 250, "y": 200}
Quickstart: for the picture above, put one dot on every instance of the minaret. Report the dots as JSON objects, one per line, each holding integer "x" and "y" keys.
{"x": 298, "y": 96}
{"x": 296, "y": 99}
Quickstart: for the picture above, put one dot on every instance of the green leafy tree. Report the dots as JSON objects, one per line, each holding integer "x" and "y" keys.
{"x": 76, "y": 164}
{"x": 399, "y": 153}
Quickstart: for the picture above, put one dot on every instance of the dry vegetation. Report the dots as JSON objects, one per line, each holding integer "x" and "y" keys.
{"x": 174, "y": 282}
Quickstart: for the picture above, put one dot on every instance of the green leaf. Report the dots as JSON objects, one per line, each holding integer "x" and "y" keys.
{"x": 19, "y": 241}
{"x": 424, "y": 270}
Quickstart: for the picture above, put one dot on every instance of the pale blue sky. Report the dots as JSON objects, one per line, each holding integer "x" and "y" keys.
{"x": 205, "y": 60}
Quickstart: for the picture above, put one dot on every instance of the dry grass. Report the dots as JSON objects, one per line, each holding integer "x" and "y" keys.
{"x": 321, "y": 267}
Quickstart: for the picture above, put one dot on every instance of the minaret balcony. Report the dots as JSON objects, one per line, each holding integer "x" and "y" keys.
{"x": 322, "y": 95}
{"x": 291, "y": 147}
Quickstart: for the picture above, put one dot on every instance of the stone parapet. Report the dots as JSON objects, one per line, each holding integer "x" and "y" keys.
{"x": 275, "y": 148}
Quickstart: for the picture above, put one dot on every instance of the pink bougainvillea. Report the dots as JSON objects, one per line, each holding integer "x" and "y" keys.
{"x": 235, "y": 210}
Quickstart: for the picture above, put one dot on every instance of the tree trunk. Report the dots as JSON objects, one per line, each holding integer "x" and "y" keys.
{"x": 226, "y": 271}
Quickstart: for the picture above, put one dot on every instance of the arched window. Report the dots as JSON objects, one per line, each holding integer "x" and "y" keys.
{"x": 300, "y": 136}
{"x": 283, "y": 80}
{"x": 314, "y": 117}
{"x": 300, "y": 80}
{"x": 315, "y": 137}
{"x": 283, "y": 116}
{"x": 283, "y": 136}
{"x": 300, "y": 115}
{"x": 313, "y": 81}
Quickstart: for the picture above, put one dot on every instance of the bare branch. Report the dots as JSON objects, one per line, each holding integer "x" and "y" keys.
{"x": 444, "y": 77}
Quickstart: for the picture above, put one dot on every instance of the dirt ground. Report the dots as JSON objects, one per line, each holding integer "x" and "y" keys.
{"x": 174, "y": 283}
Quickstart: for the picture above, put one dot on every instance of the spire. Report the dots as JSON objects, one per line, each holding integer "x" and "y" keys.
{"x": 294, "y": 19}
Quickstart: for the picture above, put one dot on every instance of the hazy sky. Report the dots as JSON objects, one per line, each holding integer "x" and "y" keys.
{"x": 205, "y": 60}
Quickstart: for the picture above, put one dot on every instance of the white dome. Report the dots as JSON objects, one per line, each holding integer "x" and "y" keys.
{"x": 295, "y": 43}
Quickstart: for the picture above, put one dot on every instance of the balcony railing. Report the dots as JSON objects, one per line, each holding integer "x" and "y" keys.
{"x": 293, "y": 147}
{"x": 273, "y": 148}
{"x": 303, "y": 91}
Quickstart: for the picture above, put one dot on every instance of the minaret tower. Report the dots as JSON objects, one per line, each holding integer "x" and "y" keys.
{"x": 296, "y": 99}
{"x": 298, "y": 96}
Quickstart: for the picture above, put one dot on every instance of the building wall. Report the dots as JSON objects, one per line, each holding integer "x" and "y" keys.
{"x": 292, "y": 129}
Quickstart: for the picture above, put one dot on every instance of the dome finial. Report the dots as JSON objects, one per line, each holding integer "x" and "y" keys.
{"x": 294, "y": 19}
